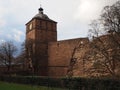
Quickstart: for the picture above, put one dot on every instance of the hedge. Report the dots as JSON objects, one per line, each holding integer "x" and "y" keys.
{"x": 92, "y": 84}
{"x": 70, "y": 83}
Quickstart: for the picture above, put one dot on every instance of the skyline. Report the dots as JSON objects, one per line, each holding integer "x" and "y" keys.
{"x": 73, "y": 17}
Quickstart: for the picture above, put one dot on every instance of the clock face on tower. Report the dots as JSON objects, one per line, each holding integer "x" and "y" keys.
{"x": 30, "y": 26}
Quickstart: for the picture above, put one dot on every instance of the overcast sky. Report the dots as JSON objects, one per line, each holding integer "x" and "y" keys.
{"x": 73, "y": 16}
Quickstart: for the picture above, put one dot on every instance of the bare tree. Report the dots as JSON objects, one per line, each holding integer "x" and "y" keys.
{"x": 110, "y": 17}
{"x": 105, "y": 49}
{"x": 21, "y": 58}
{"x": 104, "y": 56}
{"x": 7, "y": 53}
{"x": 73, "y": 59}
{"x": 72, "y": 62}
{"x": 30, "y": 54}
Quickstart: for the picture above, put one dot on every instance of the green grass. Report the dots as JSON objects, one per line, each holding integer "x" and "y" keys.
{"x": 11, "y": 86}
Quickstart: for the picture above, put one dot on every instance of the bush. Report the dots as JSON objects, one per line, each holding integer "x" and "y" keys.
{"x": 91, "y": 84}
{"x": 32, "y": 80}
{"x": 71, "y": 83}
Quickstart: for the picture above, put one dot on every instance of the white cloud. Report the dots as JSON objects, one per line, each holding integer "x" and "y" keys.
{"x": 1, "y": 40}
{"x": 10, "y": 36}
{"x": 87, "y": 10}
{"x": 2, "y": 23}
{"x": 90, "y": 9}
{"x": 17, "y": 34}
{"x": 72, "y": 15}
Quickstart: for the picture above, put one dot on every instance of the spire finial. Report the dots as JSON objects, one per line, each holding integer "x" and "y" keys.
{"x": 40, "y": 5}
{"x": 40, "y": 9}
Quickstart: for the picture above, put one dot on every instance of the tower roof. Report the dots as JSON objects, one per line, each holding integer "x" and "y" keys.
{"x": 41, "y": 14}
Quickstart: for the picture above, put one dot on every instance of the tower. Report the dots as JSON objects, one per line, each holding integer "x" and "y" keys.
{"x": 40, "y": 30}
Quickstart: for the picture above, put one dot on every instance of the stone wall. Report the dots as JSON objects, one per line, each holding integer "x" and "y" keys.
{"x": 60, "y": 54}
{"x": 100, "y": 49}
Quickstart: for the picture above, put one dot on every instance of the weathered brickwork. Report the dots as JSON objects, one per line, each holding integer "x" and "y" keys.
{"x": 40, "y": 30}
{"x": 101, "y": 49}
{"x": 60, "y": 54}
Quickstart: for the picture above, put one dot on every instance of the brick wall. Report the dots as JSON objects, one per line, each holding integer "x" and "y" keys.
{"x": 59, "y": 55}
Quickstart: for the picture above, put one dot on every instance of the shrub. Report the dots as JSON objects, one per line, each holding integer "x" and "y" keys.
{"x": 71, "y": 83}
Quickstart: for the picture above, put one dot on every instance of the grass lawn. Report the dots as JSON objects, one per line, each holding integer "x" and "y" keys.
{"x": 11, "y": 86}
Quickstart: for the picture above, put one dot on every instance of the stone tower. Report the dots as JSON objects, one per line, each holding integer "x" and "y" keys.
{"x": 40, "y": 30}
